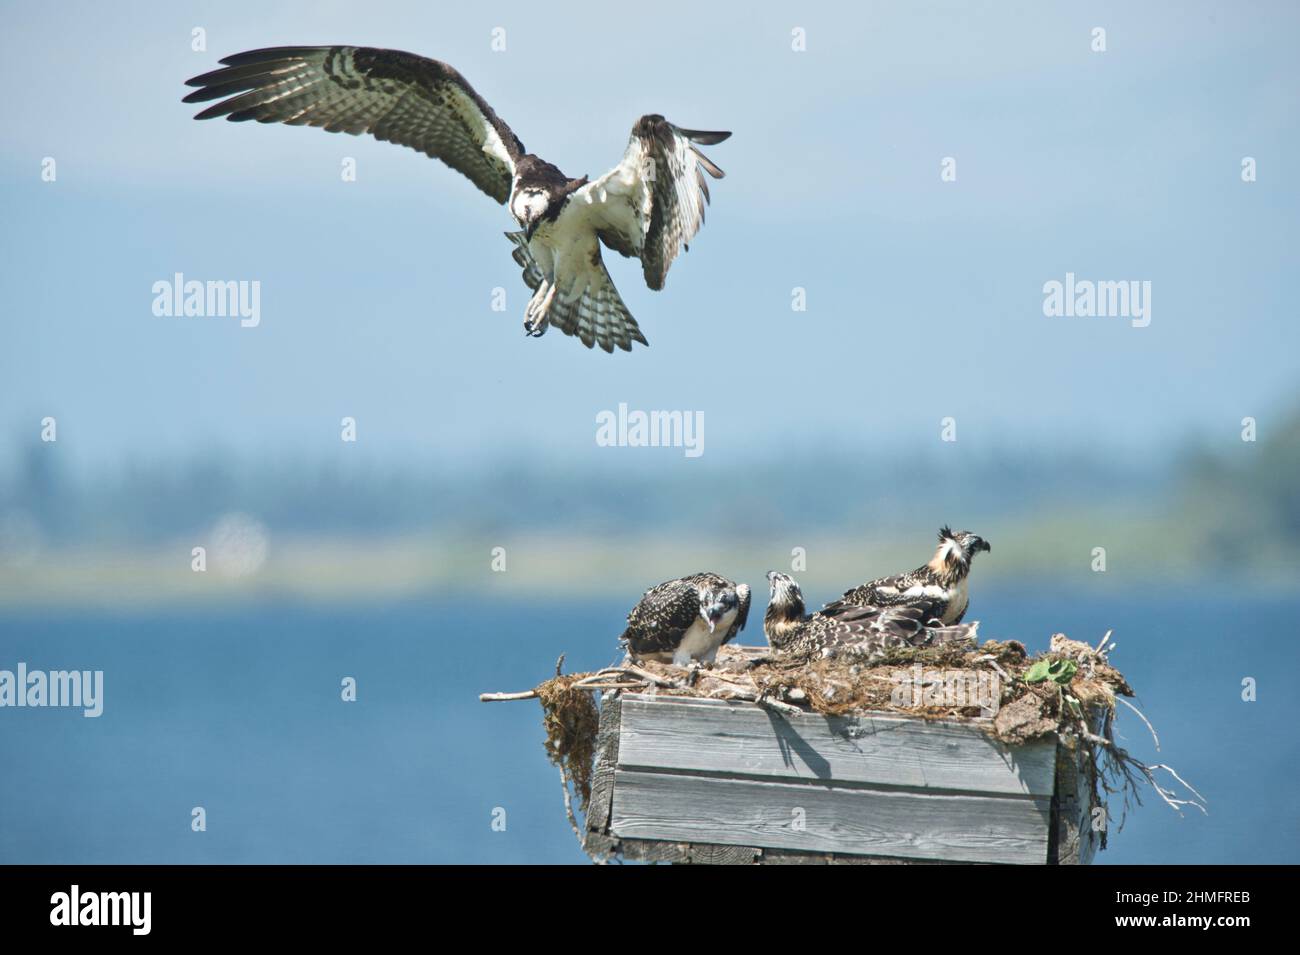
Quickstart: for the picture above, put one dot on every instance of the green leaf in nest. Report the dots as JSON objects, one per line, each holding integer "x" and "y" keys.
{"x": 1038, "y": 672}
{"x": 1058, "y": 671}
{"x": 1062, "y": 671}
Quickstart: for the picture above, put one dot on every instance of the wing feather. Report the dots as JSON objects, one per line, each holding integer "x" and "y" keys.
{"x": 396, "y": 97}
{"x": 651, "y": 205}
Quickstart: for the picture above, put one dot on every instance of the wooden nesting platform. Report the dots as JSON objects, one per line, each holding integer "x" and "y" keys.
{"x": 688, "y": 780}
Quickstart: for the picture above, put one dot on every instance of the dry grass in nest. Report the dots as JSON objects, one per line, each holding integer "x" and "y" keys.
{"x": 571, "y": 720}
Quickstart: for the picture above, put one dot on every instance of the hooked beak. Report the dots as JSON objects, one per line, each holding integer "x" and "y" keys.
{"x": 530, "y": 229}
{"x": 982, "y": 544}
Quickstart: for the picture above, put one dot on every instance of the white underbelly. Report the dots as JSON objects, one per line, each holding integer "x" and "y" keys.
{"x": 699, "y": 644}
{"x": 957, "y": 605}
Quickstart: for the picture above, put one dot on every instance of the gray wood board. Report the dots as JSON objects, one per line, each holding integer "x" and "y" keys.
{"x": 743, "y": 739}
{"x": 705, "y": 809}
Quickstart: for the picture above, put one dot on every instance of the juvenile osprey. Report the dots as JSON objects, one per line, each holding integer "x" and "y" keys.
{"x": 647, "y": 207}
{"x": 686, "y": 619}
{"x": 939, "y": 589}
{"x": 861, "y": 632}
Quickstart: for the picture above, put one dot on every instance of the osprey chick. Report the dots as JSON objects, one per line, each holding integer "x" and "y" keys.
{"x": 648, "y": 207}
{"x": 939, "y": 589}
{"x": 867, "y": 633}
{"x": 687, "y": 619}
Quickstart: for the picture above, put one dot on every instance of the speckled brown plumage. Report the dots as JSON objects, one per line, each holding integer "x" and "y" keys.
{"x": 938, "y": 589}
{"x": 868, "y": 633}
{"x": 664, "y": 614}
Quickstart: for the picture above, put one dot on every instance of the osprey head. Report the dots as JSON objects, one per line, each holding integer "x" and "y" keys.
{"x": 538, "y": 193}
{"x": 528, "y": 205}
{"x": 786, "y": 598}
{"x": 956, "y": 548}
{"x": 784, "y": 588}
{"x": 715, "y": 605}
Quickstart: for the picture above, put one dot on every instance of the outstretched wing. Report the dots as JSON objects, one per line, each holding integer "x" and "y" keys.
{"x": 396, "y": 97}
{"x": 651, "y": 205}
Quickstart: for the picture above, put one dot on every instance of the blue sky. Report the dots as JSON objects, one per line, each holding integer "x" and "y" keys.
{"x": 924, "y": 297}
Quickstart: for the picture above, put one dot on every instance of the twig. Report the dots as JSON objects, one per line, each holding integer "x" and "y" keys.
{"x": 568, "y": 807}
{"x": 1190, "y": 787}
{"x": 762, "y": 699}
{"x": 789, "y": 709}
{"x": 992, "y": 661}
{"x": 1154, "y": 736}
{"x": 716, "y": 675}
{"x": 559, "y": 664}
{"x": 502, "y": 697}
{"x": 1092, "y": 737}
{"x": 652, "y": 678}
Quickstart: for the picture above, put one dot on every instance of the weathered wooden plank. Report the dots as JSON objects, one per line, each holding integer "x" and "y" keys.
{"x": 724, "y": 855}
{"x": 677, "y": 853}
{"x": 602, "y": 782}
{"x": 704, "y": 809}
{"x": 1075, "y": 842}
{"x": 744, "y": 739}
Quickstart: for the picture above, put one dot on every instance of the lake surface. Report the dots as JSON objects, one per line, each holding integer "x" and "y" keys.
{"x": 239, "y": 711}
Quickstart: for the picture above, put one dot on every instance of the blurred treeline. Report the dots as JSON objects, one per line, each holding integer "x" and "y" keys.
{"x": 1236, "y": 505}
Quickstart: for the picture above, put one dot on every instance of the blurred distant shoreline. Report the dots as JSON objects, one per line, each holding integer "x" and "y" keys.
{"x": 211, "y": 530}
{"x": 543, "y": 567}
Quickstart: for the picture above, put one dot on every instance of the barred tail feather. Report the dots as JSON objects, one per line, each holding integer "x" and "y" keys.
{"x": 593, "y": 311}
{"x": 524, "y": 257}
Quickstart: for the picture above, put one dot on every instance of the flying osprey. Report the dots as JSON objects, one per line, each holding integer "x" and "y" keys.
{"x": 939, "y": 589}
{"x": 866, "y": 633}
{"x": 647, "y": 207}
{"x": 687, "y": 619}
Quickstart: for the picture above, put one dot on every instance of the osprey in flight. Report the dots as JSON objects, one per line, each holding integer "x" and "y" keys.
{"x": 687, "y": 619}
{"x": 939, "y": 589}
{"x": 863, "y": 632}
{"x": 647, "y": 207}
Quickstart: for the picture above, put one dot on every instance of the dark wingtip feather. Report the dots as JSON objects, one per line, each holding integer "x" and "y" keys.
{"x": 212, "y": 112}
{"x": 215, "y": 91}
{"x": 269, "y": 53}
{"x": 704, "y": 137}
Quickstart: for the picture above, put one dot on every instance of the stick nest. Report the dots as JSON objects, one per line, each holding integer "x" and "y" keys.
{"x": 1072, "y": 690}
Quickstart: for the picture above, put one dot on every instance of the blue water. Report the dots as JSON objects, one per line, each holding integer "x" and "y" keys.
{"x": 239, "y": 711}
